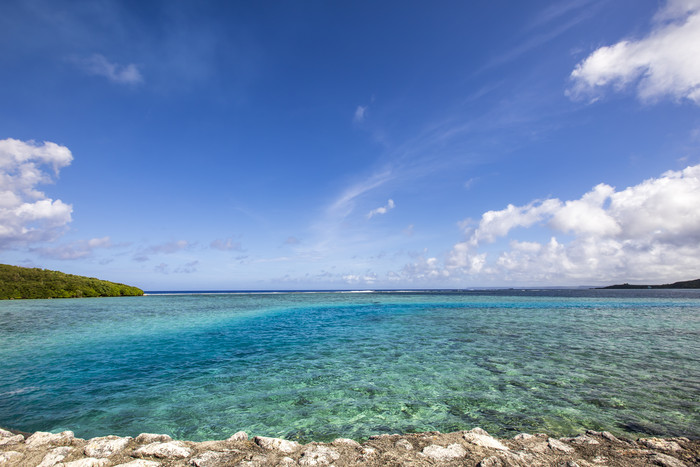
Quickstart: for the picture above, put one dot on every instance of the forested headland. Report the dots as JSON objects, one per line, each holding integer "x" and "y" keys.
{"x": 17, "y": 282}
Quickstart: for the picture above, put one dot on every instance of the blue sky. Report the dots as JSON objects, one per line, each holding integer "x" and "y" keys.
{"x": 328, "y": 145}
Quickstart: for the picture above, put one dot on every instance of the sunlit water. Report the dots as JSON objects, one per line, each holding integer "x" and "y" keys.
{"x": 321, "y": 366}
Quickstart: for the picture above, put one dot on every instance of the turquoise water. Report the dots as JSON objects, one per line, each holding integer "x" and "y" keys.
{"x": 319, "y": 366}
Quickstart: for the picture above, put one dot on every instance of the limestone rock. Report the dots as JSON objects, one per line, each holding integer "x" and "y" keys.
{"x": 581, "y": 439}
{"x": 140, "y": 463}
{"x": 666, "y": 460}
{"x": 15, "y": 439}
{"x": 216, "y": 458}
{"x": 148, "y": 438}
{"x": 404, "y": 444}
{"x": 55, "y": 456}
{"x": 86, "y": 462}
{"x": 5, "y": 433}
{"x": 277, "y": 444}
{"x": 106, "y": 446}
{"x": 287, "y": 462}
{"x": 346, "y": 442}
{"x": 480, "y": 437}
{"x": 318, "y": 455}
{"x": 8, "y": 457}
{"x": 443, "y": 454}
{"x": 661, "y": 444}
{"x": 524, "y": 437}
{"x": 239, "y": 436}
{"x": 559, "y": 446}
{"x": 610, "y": 437}
{"x": 41, "y": 438}
{"x": 170, "y": 450}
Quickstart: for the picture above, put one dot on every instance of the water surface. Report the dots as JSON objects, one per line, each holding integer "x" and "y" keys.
{"x": 319, "y": 366}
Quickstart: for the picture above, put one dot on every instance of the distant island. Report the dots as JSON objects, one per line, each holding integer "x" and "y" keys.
{"x": 17, "y": 282}
{"x": 694, "y": 284}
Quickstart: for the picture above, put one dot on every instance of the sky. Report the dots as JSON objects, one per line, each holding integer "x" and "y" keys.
{"x": 211, "y": 145}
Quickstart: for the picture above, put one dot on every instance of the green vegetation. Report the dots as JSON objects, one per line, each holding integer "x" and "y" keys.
{"x": 18, "y": 282}
{"x": 694, "y": 284}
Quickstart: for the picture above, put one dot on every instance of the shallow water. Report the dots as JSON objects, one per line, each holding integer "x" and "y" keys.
{"x": 321, "y": 366}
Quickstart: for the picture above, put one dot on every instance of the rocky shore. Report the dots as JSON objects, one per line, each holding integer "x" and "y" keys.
{"x": 463, "y": 448}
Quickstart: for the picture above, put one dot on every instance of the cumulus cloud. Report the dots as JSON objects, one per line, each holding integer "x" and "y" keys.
{"x": 27, "y": 215}
{"x": 662, "y": 64}
{"x": 650, "y": 231}
{"x": 98, "y": 65}
{"x": 382, "y": 210}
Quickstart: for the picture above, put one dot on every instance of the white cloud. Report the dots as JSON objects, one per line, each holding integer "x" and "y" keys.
{"x": 360, "y": 113}
{"x": 163, "y": 248}
{"x": 98, "y": 65}
{"x": 664, "y": 63}
{"x": 27, "y": 215}
{"x": 75, "y": 250}
{"x": 227, "y": 244}
{"x": 381, "y": 210}
{"x": 646, "y": 232}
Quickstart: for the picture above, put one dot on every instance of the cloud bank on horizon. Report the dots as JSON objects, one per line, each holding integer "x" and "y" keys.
{"x": 230, "y": 157}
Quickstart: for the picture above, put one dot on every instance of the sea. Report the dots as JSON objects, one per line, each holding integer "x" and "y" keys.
{"x": 318, "y": 366}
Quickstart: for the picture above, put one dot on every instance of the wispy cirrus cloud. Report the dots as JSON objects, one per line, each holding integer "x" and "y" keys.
{"x": 76, "y": 250}
{"x": 98, "y": 65}
{"x": 662, "y": 64}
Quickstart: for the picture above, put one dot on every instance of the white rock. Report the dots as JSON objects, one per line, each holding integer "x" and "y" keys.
{"x": 41, "y": 438}
{"x": 15, "y": 439}
{"x": 480, "y": 437}
{"x": 524, "y": 437}
{"x": 610, "y": 437}
{"x": 369, "y": 452}
{"x": 277, "y": 444}
{"x": 5, "y": 433}
{"x": 404, "y": 444}
{"x": 10, "y": 456}
{"x": 493, "y": 461}
{"x": 346, "y": 442}
{"x": 443, "y": 454}
{"x": 148, "y": 438}
{"x": 559, "y": 446}
{"x": 662, "y": 444}
{"x": 581, "y": 439}
{"x": 318, "y": 455}
{"x": 287, "y": 462}
{"x": 140, "y": 463}
{"x": 87, "y": 462}
{"x": 106, "y": 446}
{"x": 667, "y": 461}
{"x": 173, "y": 449}
{"x": 214, "y": 458}
{"x": 55, "y": 456}
{"x": 239, "y": 436}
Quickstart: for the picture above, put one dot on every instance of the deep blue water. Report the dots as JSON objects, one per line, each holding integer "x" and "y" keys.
{"x": 315, "y": 366}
